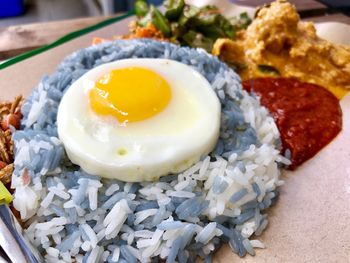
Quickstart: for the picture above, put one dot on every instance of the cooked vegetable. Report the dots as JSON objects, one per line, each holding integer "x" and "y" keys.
{"x": 243, "y": 21}
{"x": 174, "y": 9}
{"x": 188, "y": 13}
{"x": 160, "y": 21}
{"x": 141, "y": 8}
{"x": 192, "y": 38}
{"x": 190, "y": 25}
{"x": 268, "y": 69}
{"x": 144, "y": 21}
{"x": 208, "y": 16}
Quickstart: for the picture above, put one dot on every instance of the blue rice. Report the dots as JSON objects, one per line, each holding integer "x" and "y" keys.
{"x": 74, "y": 216}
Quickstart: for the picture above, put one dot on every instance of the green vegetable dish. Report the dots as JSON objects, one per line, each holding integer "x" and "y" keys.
{"x": 189, "y": 25}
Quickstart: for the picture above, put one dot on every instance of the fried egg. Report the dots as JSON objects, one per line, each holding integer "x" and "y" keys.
{"x": 139, "y": 119}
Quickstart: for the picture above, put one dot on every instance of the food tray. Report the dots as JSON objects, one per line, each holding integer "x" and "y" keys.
{"x": 310, "y": 221}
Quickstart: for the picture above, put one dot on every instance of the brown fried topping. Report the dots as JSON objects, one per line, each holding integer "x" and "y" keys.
{"x": 5, "y": 173}
{"x": 10, "y": 115}
{"x": 149, "y": 31}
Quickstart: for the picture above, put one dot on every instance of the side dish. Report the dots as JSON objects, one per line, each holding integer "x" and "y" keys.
{"x": 186, "y": 24}
{"x": 278, "y": 44}
{"x": 10, "y": 115}
{"x": 308, "y": 116}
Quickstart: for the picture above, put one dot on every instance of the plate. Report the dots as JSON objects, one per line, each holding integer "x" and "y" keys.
{"x": 334, "y": 32}
{"x": 311, "y": 220}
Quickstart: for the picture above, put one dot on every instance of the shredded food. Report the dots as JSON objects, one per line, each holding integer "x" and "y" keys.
{"x": 135, "y": 31}
{"x": 149, "y": 31}
{"x": 10, "y": 115}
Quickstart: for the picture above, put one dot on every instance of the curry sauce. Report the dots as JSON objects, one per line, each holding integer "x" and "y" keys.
{"x": 277, "y": 43}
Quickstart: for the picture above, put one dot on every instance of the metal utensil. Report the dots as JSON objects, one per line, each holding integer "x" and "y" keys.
{"x": 16, "y": 247}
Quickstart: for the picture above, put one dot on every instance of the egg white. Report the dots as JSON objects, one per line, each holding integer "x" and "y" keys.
{"x": 168, "y": 142}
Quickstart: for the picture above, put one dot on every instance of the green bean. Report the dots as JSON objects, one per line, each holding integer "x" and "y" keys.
{"x": 189, "y": 37}
{"x": 145, "y": 20}
{"x": 190, "y": 25}
{"x": 244, "y": 20}
{"x": 195, "y": 39}
{"x": 241, "y": 22}
{"x": 174, "y": 9}
{"x": 141, "y": 8}
{"x": 267, "y": 69}
{"x": 206, "y": 20}
{"x": 188, "y": 13}
{"x": 160, "y": 21}
{"x": 208, "y": 15}
{"x": 227, "y": 27}
{"x": 212, "y": 24}
{"x": 212, "y": 31}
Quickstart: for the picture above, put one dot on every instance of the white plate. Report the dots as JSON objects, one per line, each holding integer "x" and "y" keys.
{"x": 311, "y": 220}
{"x": 334, "y": 32}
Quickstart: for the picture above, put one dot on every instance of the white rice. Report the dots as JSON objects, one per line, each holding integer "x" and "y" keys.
{"x": 76, "y": 217}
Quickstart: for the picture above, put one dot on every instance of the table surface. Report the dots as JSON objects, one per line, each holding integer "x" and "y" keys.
{"x": 18, "y": 39}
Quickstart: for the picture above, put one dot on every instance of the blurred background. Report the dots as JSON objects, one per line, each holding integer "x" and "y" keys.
{"x": 15, "y": 12}
{"x": 28, "y": 24}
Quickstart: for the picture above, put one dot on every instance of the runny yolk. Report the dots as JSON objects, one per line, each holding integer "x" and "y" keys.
{"x": 130, "y": 94}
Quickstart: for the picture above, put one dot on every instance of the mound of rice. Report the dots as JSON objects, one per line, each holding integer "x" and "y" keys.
{"x": 72, "y": 216}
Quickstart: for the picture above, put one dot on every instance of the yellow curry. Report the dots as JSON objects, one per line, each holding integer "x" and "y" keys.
{"x": 277, "y": 43}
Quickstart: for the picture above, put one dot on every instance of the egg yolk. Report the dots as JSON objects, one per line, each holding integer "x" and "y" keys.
{"x": 130, "y": 94}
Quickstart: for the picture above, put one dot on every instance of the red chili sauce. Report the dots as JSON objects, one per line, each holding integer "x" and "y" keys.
{"x": 307, "y": 115}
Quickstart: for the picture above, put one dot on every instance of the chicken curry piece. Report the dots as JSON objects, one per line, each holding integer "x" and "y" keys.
{"x": 277, "y": 44}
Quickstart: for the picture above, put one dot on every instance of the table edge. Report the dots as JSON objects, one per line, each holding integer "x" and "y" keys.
{"x": 63, "y": 40}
